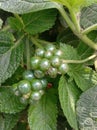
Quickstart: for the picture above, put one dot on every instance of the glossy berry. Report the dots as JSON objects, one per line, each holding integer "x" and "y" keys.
{"x": 44, "y": 64}
{"x": 44, "y": 82}
{"x": 15, "y": 89}
{"x": 39, "y": 74}
{"x": 48, "y": 54}
{"x": 55, "y": 61}
{"x": 35, "y": 96}
{"x": 28, "y": 75}
{"x": 41, "y": 92}
{"x": 50, "y": 47}
{"x": 63, "y": 68}
{"x": 24, "y": 86}
{"x": 35, "y": 62}
{"x": 39, "y": 52}
{"x": 36, "y": 85}
{"x": 52, "y": 72}
{"x": 58, "y": 53}
{"x": 23, "y": 100}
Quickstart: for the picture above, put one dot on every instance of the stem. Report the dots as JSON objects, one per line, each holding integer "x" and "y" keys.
{"x": 5, "y": 28}
{"x": 81, "y": 61}
{"x": 89, "y": 29}
{"x": 28, "y": 53}
{"x": 34, "y": 41}
{"x": 20, "y": 19}
{"x": 43, "y": 41}
{"x": 65, "y": 16}
{"x": 75, "y": 20}
{"x": 88, "y": 41}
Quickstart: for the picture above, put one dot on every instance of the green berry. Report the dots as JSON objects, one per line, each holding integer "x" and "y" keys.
{"x": 55, "y": 61}
{"x": 39, "y": 52}
{"x": 24, "y": 86}
{"x": 35, "y": 96}
{"x": 44, "y": 64}
{"x": 41, "y": 92}
{"x": 36, "y": 85}
{"x": 39, "y": 74}
{"x": 50, "y": 47}
{"x": 28, "y": 75}
{"x": 48, "y": 54}
{"x": 35, "y": 62}
{"x": 63, "y": 68}
{"x": 58, "y": 53}
{"x": 44, "y": 82}
{"x": 52, "y": 72}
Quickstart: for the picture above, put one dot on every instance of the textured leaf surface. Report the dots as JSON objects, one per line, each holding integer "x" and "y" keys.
{"x": 10, "y": 56}
{"x": 42, "y": 116}
{"x": 8, "y": 121}
{"x": 39, "y": 21}
{"x": 25, "y": 6}
{"x": 76, "y": 71}
{"x": 87, "y": 110}
{"x": 68, "y": 95}
{"x": 9, "y": 103}
{"x": 89, "y": 16}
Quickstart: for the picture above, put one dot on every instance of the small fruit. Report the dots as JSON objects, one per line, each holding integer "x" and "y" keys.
{"x": 23, "y": 100}
{"x": 44, "y": 82}
{"x": 58, "y": 53}
{"x": 28, "y": 75}
{"x": 50, "y": 47}
{"x": 36, "y": 85}
{"x": 35, "y": 96}
{"x": 48, "y": 54}
{"x": 24, "y": 86}
{"x": 39, "y": 52}
{"x": 39, "y": 74}
{"x": 35, "y": 62}
{"x": 44, "y": 64}
{"x": 55, "y": 61}
{"x": 63, "y": 68}
{"x": 52, "y": 72}
{"x": 41, "y": 92}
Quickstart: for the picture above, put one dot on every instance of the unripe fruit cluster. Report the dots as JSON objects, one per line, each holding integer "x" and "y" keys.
{"x": 30, "y": 89}
{"x": 48, "y": 61}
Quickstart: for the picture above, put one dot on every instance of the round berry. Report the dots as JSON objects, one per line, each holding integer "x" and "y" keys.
{"x": 55, "y": 61}
{"x": 36, "y": 85}
{"x": 35, "y": 96}
{"x": 28, "y": 75}
{"x": 63, "y": 68}
{"x": 50, "y": 47}
{"x": 41, "y": 92}
{"x": 15, "y": 89}
{"x": 52, "y": 72}
{"x": 44, "y": 64}
{"x": 48, "y": 54}
{"x": 58, "y": 53}
{"x": 39, "y": 52}
{"x": 24, "y": 86}
{"x": 44, "y": 82}
{"x": 23, "y": 100}
{"x": 39, "y": 74}
{"x": 35, "y": 62}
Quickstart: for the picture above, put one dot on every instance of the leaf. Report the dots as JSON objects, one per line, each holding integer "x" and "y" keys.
{"x": 8, "y": 121}
{"x": 76, "y": 71}
{"x": 9, "y": 103}
{"x": 25, "y": 6}
{"x": 68, "y": 95}
{"x": 42, "y": 116}
{"x": 40, "y": 21}
{"x": 88, "y": 16}
{"x": 10, "y": 56}
{"x": 87, "y": 110}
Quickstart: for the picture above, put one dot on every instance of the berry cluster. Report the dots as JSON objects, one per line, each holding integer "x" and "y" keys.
{"x": 48, "y": 61}
{"x": 30, "y": 89}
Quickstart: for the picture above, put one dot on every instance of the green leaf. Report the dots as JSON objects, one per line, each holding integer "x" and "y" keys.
{"x": 42, "y": 116}
{"x": 9, "y": 103}
{"x": 25, "y": 6}
{"x": 68, "y": 95}
{"x": 87, "y": 110}
{"x": 89, "y": 16}
{"x": 76, "y": 71}
{"x": 10, "y": 56}
{"x": 40, "y": 21}
{"x": 8, "y": 121}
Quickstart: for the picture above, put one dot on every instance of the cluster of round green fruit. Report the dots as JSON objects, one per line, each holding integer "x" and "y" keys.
{"x": 48, "y": 61}
{"x": 30, "y": 89}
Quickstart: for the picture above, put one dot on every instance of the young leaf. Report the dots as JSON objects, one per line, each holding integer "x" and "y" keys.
{"x": 9, "y": 103}
{"x": 40, "y": 21}
{"x": 87, "y": 110}
{"x": 68, "y": 95}
{"x": 8, "y": 121}
{"x": 10, "y": 56}
{"x": 42, "y": 116}
{"x": 25, "y": 6}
